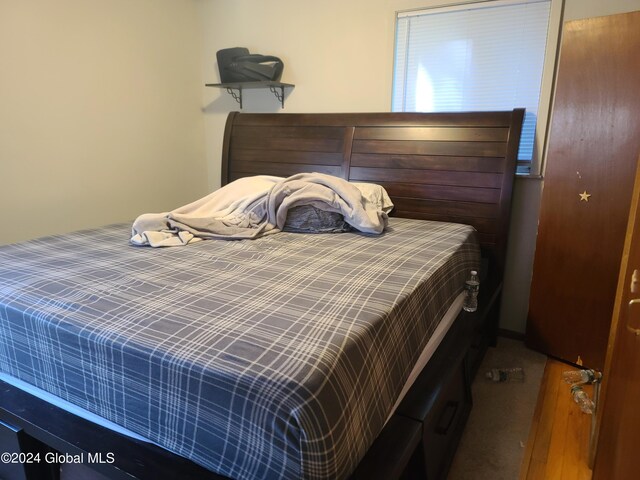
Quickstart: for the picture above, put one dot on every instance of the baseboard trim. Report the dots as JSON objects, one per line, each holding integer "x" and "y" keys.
{"x": 503, "y": 332}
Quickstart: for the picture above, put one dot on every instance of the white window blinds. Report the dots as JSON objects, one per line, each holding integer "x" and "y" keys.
{"x": 480, "y": 56}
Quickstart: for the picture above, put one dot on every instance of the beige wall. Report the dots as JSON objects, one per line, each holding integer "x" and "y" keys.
{"x": 100, "y": 112}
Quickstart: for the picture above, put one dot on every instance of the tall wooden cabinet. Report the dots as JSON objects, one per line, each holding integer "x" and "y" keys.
{"x": 593, "y": 147}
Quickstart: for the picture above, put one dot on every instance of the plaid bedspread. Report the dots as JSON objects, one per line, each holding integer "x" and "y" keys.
{"x": 279, "y": 357}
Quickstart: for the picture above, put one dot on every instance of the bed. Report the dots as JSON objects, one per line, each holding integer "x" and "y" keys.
{"x": 436, "y": 167}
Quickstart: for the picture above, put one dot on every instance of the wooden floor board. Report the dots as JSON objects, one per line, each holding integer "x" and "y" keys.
{"x": 558, "y": 442}
{"x": 542, "y": 440}
{"x": 555, "y": 467}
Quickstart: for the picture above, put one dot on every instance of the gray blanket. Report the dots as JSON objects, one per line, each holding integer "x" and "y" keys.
{"x": 255, "y": 206}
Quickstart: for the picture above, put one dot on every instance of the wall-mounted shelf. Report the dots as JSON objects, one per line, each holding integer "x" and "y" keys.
{"x": 277, "y": 88}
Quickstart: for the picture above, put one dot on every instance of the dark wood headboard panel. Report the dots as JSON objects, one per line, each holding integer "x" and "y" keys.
{"x": 453, "y": 167}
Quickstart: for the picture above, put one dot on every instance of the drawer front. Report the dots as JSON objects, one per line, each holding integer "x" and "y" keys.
{"x": 27, "y": 456}
{"x": 10, "y": 443}
{"x": 444, "y": 425}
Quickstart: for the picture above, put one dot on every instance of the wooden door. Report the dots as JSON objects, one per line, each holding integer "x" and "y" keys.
{"x": 619, "y": 417}
{"x": 593, "y": 145}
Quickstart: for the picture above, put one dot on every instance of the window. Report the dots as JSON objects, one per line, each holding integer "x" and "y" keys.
{"x": 478, "y": 56}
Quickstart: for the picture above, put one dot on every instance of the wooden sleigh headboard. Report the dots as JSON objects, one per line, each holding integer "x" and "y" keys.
{"x": 452, "y": 167}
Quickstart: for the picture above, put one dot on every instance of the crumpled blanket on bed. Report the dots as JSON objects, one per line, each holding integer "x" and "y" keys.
{"x": 255, "y": 206}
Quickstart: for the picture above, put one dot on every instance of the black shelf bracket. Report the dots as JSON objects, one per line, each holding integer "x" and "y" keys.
{"x": 237, "y": 97}
{"x": 279, "y": 95}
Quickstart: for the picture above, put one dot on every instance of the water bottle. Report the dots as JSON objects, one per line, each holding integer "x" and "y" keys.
{"x": 471, "y": 287}
{"x": 497, "y": 375}
{"x": 582, "y": 399}
{"x": 581, "y": 377}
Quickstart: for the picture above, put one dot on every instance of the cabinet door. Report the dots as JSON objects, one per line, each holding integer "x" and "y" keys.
{"x": 594, "y": 142}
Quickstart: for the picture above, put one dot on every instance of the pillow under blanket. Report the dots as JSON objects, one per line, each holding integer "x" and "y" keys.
{"x": 310, "y": 219}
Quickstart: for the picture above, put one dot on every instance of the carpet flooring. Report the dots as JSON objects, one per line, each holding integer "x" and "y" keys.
{"x": 493, "y": 443}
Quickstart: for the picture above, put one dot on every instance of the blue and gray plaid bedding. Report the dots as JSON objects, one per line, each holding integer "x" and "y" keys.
{"x": 279, "y": 357}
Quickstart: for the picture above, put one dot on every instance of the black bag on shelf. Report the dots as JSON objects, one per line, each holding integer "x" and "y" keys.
{"x": 238, "y": 65}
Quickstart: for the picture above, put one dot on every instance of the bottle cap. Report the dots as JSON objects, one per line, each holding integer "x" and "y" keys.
{"x": 473, "y": 272}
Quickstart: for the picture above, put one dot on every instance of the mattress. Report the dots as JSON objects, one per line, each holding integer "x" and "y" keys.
{"x": 432, "y": 345}
{"x": 272, "y": 358}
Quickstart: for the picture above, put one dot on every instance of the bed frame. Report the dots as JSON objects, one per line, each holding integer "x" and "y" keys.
{"x": 454, "y": 167}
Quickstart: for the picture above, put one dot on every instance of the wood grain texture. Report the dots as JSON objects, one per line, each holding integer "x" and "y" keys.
{"x": 558, "y": 443}
{"x": 593, "y": 145}
{"x": 256, "y": 156}
{"x": 419, "y": 176}
{"x": 430, "y": 162}
{"x": 442, "y": 192}
{"x": 407, "y": 147}
{"x": 386, "y": 119}
{"x": 282, "y": 169}
{"x": 445, "y": 134}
